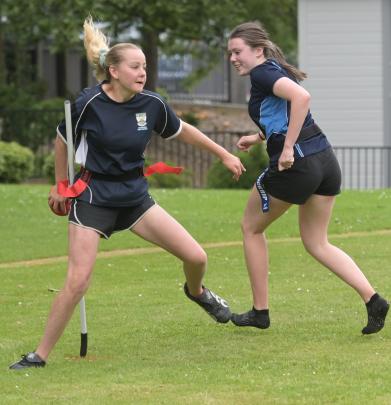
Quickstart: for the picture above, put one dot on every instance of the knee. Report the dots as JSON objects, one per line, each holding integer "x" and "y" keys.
{"x": 313, "y": 247}
{"x": 245, "y": 226}
{"x": 248, "y": 228}
{"x": 198, "y": 257}
{"x": 76, "y": 287}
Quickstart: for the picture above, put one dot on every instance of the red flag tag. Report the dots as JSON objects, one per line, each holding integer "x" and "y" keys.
{"x": 162, "y": 168}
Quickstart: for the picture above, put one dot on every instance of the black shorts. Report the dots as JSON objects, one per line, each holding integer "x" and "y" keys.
{"x": 106, "y": 220}
{"x": 314, "y": 174}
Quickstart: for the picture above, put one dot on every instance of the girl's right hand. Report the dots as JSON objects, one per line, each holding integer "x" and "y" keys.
{"x": 245, "y": 142}
{"x": 58, "y": 204}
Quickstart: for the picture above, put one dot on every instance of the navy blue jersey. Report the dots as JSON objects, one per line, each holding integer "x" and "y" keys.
{"x": 110, "y": 139}
{"x": 271, "y": 113}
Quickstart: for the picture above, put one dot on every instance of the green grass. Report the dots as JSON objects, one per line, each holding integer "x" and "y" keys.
{"x": 32, "y": 231}
{"x": 150, "y": 345}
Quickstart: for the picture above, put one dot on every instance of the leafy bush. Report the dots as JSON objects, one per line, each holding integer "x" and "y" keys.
{"x": 46, "y": 115}
{"x": 48, "y": 168}
{"x": 13, "y": 96}
{"x": 16, "y": 162}
{"x": 170, "y": 180}
{"x": 163, "y": 93}
{"x": 34, "y": 125}
{"x": 190, "y": 117}
{"x": 254, "y": 162}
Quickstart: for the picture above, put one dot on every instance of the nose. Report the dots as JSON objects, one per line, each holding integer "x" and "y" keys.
{"x": 232, "y": 58}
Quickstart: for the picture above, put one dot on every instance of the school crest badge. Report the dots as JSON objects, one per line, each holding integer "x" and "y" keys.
{"x": 141, "y": 119}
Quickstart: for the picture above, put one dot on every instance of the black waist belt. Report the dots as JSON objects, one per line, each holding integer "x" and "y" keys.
{"x": 132, "y": 174}
{"x": 308, "y": 132}
{"x": 276, "y": 142}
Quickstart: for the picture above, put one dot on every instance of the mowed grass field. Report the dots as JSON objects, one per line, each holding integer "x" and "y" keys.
{"x": 148, "y": 344}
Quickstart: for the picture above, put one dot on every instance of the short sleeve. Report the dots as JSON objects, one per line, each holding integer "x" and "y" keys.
{"x": 168, "y": 125}
{"x": 265, "y": 75}
{"x": 76, "y": 112}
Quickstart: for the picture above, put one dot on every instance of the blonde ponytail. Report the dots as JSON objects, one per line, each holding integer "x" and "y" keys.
{"x": 99, "y": 54}
{"x": 97, "y": 46}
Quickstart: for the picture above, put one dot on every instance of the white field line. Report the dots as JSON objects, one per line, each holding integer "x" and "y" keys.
{"x": 149, "y": 250}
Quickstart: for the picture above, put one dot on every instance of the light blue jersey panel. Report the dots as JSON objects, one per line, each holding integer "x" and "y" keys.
{"x": 273, "y": 115}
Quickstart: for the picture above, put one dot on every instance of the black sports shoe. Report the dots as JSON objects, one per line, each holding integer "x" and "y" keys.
{"x": 377, "y": 309}
{"x": 28, "y": 360}
{"x": 257, "y": 318}
{"x": 214, "y": 305}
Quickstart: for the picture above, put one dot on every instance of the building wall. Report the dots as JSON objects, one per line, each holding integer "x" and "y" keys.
{"x": 386, "y": 25}
{"x": 342, "y": 46}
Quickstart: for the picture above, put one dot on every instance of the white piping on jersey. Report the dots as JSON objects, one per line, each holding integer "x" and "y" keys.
{"x": 165, "y": 109}
{"x": 85, "y": 106}
{"x": 77, "y": 123}
{"x": 60, "y": 135}
{"x": 177, "y": 132}
{"x": 299, "y": 151}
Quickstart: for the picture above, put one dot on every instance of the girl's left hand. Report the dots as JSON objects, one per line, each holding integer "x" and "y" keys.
{"x": 286, "y": 159}
{"x": 233, "y": 164}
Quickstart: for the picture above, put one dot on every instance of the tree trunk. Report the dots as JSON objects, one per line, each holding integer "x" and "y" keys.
{"x": 150, "y": 41}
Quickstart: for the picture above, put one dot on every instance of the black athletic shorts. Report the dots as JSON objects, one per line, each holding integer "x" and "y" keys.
{"x": 314, "y": 174}
{"x": 106, "y": 220}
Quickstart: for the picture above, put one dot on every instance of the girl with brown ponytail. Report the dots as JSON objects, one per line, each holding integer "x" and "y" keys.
{"x": 302, "y": 170}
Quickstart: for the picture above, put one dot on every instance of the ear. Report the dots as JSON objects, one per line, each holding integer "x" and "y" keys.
{"x": 259, "y": 52}
{"x": 113, "y": 71}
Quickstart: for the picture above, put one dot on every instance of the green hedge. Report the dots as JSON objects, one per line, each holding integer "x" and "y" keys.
{"x": 49, "y": 169}
{"x": 16, "y": 162}
{"x": 254, "y": 162}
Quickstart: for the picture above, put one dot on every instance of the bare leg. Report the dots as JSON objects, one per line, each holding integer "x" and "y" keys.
{"x": 83, "y": 246}
{"x": 254, "y": 224}
{"x": 314, "y": 217}
{"x": 158, "y": 227}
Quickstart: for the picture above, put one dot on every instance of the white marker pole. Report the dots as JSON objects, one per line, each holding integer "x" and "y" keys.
{"x": 71, "y": 175}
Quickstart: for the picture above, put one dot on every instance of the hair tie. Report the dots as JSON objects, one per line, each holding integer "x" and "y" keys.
{"x": 102, "y": 57}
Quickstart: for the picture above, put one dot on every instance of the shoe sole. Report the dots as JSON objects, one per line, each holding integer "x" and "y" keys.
{"x": 221, "y": 320}
{"x": 251, "y": 325}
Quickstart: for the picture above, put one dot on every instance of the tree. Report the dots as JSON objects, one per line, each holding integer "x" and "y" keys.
{"x": 279, "y": 18}
{"x": 175, "y": 26}
{"x": 24, "y": 23}
{"x": 198, "y": 27}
